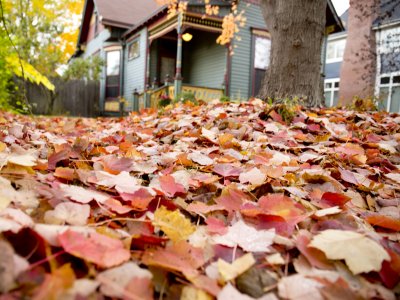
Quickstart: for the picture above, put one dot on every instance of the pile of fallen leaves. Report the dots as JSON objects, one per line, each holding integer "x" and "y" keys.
{"x": 199, "y": 202}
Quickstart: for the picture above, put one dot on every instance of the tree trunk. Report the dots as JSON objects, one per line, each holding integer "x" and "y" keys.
{"x": 297, "y": 29}
{"x": 358, "y": 71}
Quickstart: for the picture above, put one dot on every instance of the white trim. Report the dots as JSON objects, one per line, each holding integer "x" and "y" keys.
{"x": 336, "y": 45}
{"x": 389, "y": 85}
{"x": 385, "y": 26}
{"x": 332, "y": 89}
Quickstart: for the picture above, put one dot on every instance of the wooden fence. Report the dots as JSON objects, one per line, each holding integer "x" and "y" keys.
{"x": 72, "y": 98}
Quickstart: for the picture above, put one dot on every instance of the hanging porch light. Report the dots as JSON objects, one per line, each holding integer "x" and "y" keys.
{"x": 187, "y": 37}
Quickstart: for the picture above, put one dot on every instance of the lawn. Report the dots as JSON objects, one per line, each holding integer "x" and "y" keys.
{"x": 223, "y": 201}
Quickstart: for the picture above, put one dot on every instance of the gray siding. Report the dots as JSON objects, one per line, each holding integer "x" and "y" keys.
{"x": 240, "y": 77}
{"x": 332, "y": 70}
{"x": 135, "y": 69}
{"x": 97, "y": 43}
{"x": 205, "y": 61}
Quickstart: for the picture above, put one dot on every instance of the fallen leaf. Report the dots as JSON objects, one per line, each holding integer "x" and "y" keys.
{"x": 169, "y": 186}
{"x": 229, "y": 271}
{"x": 247, "y": 237}
{"x": 361, "y": 254}
{"x": 299, "y": 287}
{"x": 68, "y": 212}
{"x": 97, "y": 248}
{"x": 254, "y": 177}
{"x": 200, "y": 158}
{"x": 175, "y": 225}
{"x": 114, "y": 281}
{"x": 82, "y": 195}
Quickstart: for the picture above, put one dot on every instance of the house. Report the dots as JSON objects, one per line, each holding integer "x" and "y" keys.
{"x": 149, "y": 53}
{"x": 387, "y": 84}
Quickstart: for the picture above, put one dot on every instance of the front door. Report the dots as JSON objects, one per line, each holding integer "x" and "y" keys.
{"x": 167, "y": 69}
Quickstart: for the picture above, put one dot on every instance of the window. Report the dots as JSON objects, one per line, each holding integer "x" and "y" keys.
{"x": 134, "y": 50}
{"x": 331, "y": 91}
{"x": 113, "y": 74}
{"x": 335, "y": 51}
{"x": 262, "y": 52}
{"x": 389, "y": 92}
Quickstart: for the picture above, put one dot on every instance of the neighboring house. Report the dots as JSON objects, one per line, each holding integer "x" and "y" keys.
{"x": 149, "y": 53}
{"x": 387, "y": 88}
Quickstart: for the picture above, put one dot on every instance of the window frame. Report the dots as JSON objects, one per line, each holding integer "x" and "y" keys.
{"x": 390, "y": 86}
{"x": 332, "y": 89}
{"x": 135, "y": 41}
{"x": 335, "y": 43}
{"x": 257, "y": 33}
{"x": 107, "y": 76}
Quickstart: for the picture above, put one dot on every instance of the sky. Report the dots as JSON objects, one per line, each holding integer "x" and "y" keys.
{"x": 341, "y": 6}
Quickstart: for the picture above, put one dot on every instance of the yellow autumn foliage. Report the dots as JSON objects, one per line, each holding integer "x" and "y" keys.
{"x": 175, "y": 225}
{"x": 28, "y": 72}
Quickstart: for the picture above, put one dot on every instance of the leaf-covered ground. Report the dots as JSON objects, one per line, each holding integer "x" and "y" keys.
{"x": 203, "y": 202}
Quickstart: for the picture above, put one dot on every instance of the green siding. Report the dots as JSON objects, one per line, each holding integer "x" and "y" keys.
{"x": 135, "y": 68}
{"x": 204, "y": 61}
{"x": 240, "y": 77}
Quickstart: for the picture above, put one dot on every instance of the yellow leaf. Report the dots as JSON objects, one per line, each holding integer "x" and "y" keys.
{"x": 231, "y": 271}
{"x": 191, "y": 293}
{"x": 2, "y": 146}
{"x": 361, "y": 254}
{"x": 4, "y": 202}
{"x": 175, "y": 225}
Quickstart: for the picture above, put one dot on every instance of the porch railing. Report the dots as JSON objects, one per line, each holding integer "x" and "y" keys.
{"x": 201, "y": 93}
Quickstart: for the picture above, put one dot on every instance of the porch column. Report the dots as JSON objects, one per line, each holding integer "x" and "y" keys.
{"x": 178, "y": 75}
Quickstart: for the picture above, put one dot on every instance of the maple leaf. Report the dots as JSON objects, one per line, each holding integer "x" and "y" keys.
{"x": 254, "y": 177}
{"x": 248, "y": 238}
{"x": 280, "y": 205}
{"x": 200, "y": 158}
{"x": 180, "y": 256}
{"x": 68, "y": 212}
{"x": 175, "y": 225}
{"x": 169, "y": 186}
{"x": 24, "y": 160}
{"x": 55, "y": 284}
{"x": 82, "y": 195}
{"x": 227, "y": 170}
{"x": 230, "y": 271}
{"x": 97, "y": 248}
{"x": 299, "y": 287}
{"x": 140, "y": 199}
{"x": 115, "y": 280}
{"x": 361, "y": 254}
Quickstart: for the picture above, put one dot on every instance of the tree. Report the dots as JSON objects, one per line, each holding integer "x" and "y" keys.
{"x": 297, "y": 28}
{"x": 358, "y": 71}
{"x": 43, "y": 30}
{"x": 81, "y": 68}
{"x": 359, "y": 67}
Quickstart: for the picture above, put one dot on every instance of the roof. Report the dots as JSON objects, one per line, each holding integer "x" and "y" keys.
{"x": 118, "y": 13}
{"x": 345, "y": 18}
{"x": 389, "y": 12}
{"x": 124, "y": 13}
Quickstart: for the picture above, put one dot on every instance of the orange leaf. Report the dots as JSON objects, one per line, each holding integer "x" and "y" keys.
{"x": 383, "y": 221}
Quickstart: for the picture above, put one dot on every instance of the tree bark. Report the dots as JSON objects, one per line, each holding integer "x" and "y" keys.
{"x": 358, "y": 71}
{"x": 297, "y": 29}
